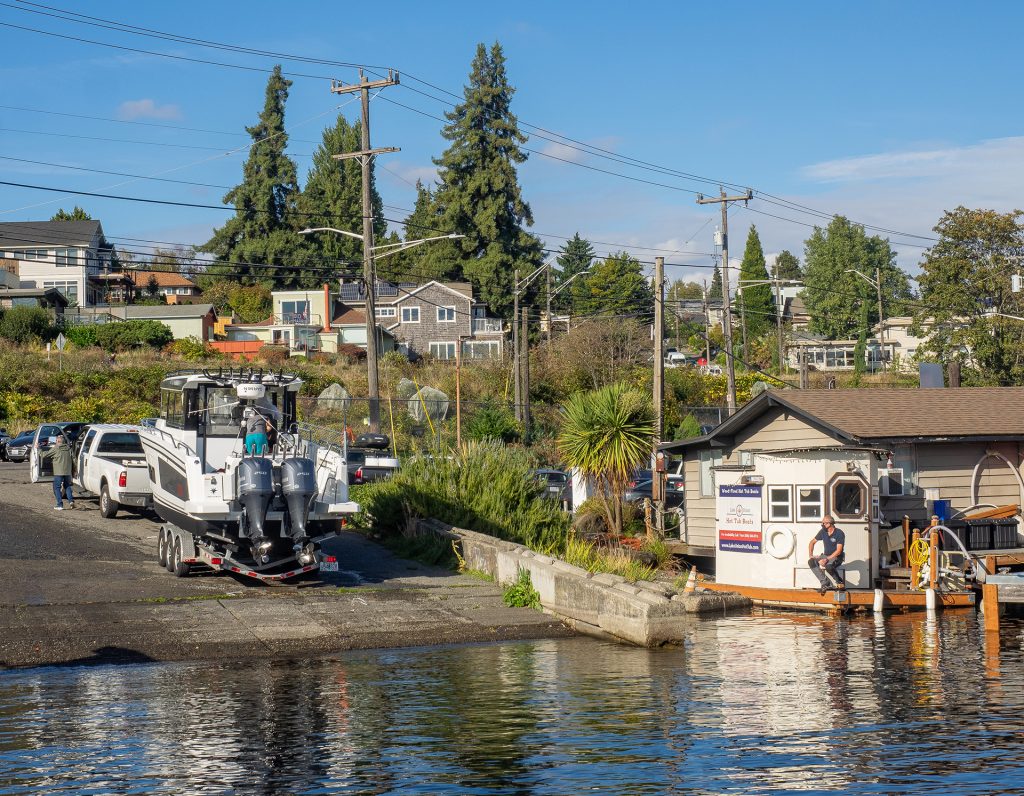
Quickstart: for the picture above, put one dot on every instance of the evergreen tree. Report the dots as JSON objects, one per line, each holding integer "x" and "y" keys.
{"x": 575, "y": 256}
{"x": 417, "y": 264}
{"x": 833, "y": 293}
{"x": 756, "y": 300}
{"x": 715, "y": 291}
{"x": 478, "y": 194}
{"x": 78, "y": 214}
{"x": 787, "y": 266}
{"x": 262, "y": 235}
{"x": 614, "y": 286}
{"x": 333, "y": 197}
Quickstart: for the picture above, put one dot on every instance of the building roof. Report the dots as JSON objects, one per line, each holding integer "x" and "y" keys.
{"x": 30, "y": 234}
{"x": 163, "y": 278}
{"x": 350, "y": 317}
{"x": 167, "y": 310}
{"x": 866, "y": 415}
{"x": 49, "y": 293}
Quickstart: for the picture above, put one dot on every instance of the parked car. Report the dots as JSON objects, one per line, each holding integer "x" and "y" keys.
{"x": 368, "y": 460}
{"x": 638, "y": 477}
{"x": 674, "y": 492}
{"x": 110, "y": 463}
{"x": 4, "y": 437}
{"x": 558, "y": 483}
{"x": 16, "y": 449}
{"x": 43, "y": 438}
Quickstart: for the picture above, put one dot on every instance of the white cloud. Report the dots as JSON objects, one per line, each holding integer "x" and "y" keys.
{"x": 147, "y": 109}
{"x": 554, "y": 149}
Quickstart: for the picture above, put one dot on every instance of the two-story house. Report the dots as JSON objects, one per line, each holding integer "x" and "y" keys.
{"x": 433, "y": 319}
{"x": 72, "y": 257}
{"x": 175, "y": 288}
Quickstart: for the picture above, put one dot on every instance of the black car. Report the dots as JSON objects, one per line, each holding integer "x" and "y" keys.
{"x": 674, "y": 491}
{"x": 16, "y": 450}
{"x": 558, "y": 484}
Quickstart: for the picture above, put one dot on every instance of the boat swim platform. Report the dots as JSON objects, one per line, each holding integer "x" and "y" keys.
{"x": 842, "y": 601}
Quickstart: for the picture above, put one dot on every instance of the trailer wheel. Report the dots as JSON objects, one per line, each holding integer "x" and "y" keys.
{"x": 178, "y": 568}
{"x": 108, "y": 506}
{"x": 161, "y": 548}
{"x": 169, "y": 540}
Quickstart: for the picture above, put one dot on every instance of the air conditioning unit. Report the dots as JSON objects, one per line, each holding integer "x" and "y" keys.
{"x": 890, "y": 482}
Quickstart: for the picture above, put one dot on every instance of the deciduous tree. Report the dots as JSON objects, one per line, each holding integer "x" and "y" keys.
{"x": 614, "y": 286}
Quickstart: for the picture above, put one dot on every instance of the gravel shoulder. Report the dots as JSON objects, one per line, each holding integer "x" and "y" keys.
{"x": 76, "y": 588}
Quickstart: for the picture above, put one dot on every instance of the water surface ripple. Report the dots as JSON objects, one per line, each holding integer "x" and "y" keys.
{"x": 771, "y": 703}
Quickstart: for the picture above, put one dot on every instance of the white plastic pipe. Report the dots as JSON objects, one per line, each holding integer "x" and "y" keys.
{"x": 879, "y": 601}
{"x": 991, "y": 454}
{"x": 929, "y": 600}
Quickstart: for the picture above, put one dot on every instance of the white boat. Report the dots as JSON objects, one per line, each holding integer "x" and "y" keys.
{"x": 273, "y": 505}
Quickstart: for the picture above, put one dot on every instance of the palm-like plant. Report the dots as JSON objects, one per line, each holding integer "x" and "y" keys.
{"x": 607, "y": 434}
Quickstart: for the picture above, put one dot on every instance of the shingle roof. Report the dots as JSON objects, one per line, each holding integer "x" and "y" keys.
{"x": 167, "y": 310}
{"x": 163, "y": 278}
{"x": 893, "y": 413}
{"x": 349, "y": 317}
{"x": 27, "y": 234}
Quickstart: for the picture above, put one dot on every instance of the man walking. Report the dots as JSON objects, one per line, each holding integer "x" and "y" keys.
{"x": 834, "y": 541}
{"x": 61, "y": 455}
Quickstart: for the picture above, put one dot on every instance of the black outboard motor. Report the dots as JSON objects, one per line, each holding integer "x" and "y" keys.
{"x": 255, "y": 491}
{"x": 298, "y": 486}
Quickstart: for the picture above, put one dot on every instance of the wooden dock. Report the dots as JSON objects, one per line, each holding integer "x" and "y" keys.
{"x": 847, "y": 600}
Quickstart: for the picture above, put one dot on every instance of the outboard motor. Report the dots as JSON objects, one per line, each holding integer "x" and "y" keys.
{"x": 298, "y": 486}
{"x": 255, "y": 491}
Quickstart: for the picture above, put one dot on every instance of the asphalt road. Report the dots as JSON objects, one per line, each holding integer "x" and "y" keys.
{"x": 77, "y": 588}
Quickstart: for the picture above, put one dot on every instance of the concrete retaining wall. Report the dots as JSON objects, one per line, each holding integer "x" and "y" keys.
{"x": 604, "y": 605}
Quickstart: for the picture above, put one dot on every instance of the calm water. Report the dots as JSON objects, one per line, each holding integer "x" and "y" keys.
{"x": 774, "y": 703}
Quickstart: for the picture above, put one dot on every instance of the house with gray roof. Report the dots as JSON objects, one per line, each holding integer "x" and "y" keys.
{"x": 959, "y": 447}
{"x": 72, "y": 257}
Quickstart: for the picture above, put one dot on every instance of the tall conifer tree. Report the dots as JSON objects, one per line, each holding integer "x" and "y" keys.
{"x": 263, "y": 228}
{"x": 715, "y": 291}
{"x": 756, "y": 300}
{"x": 478, "y": 194}
{"x": 576, "y": 256}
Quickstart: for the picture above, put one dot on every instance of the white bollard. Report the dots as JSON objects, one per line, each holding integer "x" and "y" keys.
{"x": 879, "y": 601}
{"x": 929, "y": 600}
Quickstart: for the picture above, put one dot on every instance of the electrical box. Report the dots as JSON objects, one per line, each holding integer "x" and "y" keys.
{"x": 1016, "y": 282}
{"x": 890, "y": 482}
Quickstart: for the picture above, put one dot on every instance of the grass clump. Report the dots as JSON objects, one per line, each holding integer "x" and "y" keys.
{"x": 586, "y": 555}
{"x": 520, "y": 592}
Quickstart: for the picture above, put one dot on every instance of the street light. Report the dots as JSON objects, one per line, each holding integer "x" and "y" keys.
{"x": 556, "y": 291}
{"x": 369, "y": 277}
{"x": 877, "y": 282}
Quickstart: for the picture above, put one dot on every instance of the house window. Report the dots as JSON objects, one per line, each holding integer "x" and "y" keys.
{"x": 446, "y": 314}
{"x": 780, "y": 503}
{"x": 66, "y": 288}
{"x": 295, "y": 311}
{"x": 282, "y": 337}
{"x": 847, "y": 498}
{"x": 385, "y": 312}
{"x": 483, "y": 349}
{"x": 410, "y": 314}
{"x": 904, "y": 457}
{"x": 442, "y": 350}
{"x": 809, "y": 503}
{"x": 708, "y": 460}
{"x": 35, "y": 254}
{"x": 67, "y": 257}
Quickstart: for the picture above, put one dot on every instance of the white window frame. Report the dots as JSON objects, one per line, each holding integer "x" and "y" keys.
{"x": 385, "y": 312}
{"x": 443, "y": 314}
{"x": 67, "y": 287}
{"x": 773, "y": 503}
{"x": 66, "y": 258}
{"x": 408, "y": 312}
{"x": 904, "y": 457}
{"x": 819, "y": 503}
{"x": 707, "y": 461}
{"x": 435, "y": 350}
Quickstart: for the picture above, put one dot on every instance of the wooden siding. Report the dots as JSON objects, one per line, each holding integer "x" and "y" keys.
{"x": 700, "y": 512}
{"x": 775, "y": 430}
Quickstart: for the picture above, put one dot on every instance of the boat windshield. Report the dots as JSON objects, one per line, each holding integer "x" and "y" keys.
{"x": 217, "y": 413}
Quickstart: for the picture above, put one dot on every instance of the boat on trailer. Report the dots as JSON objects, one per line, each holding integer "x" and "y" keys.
{"x": 262, "y": 513}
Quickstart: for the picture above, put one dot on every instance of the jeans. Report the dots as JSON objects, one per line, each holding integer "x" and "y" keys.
{"x": 831, "y": 567}
{"x": 62, "y": 484}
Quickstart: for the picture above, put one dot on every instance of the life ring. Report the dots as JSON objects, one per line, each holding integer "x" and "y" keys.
{"x": 777, "y": 549}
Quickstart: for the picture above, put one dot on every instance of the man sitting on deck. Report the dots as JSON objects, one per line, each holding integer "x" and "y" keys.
{"x": 834, "y": 541}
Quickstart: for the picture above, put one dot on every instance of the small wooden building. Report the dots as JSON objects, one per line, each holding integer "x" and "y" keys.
{"x": 923, "y": 445}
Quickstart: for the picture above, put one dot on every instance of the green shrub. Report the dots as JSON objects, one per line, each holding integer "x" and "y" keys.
{"x": 486, "y": 487}
{"x": 81, "y": 336}
{"x": 191, "y": 349}
{"x": 588, "y": 556}
{"x": 520, "y": 592}
{"x": 26, "y": 325}
{"x": 492, "y": 421}
{"x": 119, "y": 335}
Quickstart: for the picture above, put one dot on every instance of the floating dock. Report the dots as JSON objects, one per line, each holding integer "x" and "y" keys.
{"x": 843, "y": 601}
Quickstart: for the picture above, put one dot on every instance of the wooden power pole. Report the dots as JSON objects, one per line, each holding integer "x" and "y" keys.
{"x": 365, "y": 156}
{"x": 516, "y": 359}
{"x": 524, "y": 344}
{"x": 659, "y": 349}
{"x": 730, "y": 369}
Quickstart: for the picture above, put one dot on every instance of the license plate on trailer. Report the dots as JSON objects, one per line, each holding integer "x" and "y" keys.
{"x": 328, "y": 566}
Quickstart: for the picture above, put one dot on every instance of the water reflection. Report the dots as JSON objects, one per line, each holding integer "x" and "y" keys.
{"x": 768, "y": 703}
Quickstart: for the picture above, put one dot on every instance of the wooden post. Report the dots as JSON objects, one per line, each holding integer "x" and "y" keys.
{"x": 906, "y": 540}
{"x": 990, "y": 607}
{"x": 933, "y": 555}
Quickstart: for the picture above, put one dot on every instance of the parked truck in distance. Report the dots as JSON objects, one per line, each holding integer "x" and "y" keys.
{"x": 368, "y": 459}
{"x": 110, "y": 463}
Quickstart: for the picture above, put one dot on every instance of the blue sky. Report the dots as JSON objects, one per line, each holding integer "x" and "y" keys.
{"x": 888, "y": 113}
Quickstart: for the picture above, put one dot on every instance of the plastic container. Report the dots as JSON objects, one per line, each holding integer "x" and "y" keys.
{"x": 1004, "y": 535}
{"x": 979, "y": 534}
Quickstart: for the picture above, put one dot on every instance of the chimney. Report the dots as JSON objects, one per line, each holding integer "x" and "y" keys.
{"x": 328, "y": 309}
{"x": 953, "y": 369}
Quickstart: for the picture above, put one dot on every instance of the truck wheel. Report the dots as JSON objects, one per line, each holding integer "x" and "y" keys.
{"x": 108, "y": 506}
{"x": 161, "y": 548}
{"x": 178, "y": 568}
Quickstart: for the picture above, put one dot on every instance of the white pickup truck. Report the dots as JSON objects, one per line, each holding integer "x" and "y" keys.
{"x": 110, "y": 463}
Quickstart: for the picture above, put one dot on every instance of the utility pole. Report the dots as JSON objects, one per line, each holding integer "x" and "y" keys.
{"x": 881, "y": 318}
{"x": 365, "y": 156}
{"x": 548, "y": 312}
{"x": 730, "y": 368}
{"x": 458, "y": 392}
{"x": 659, "y": 348}
{"x": 515, "y": 350}
{"x": 524, "y": 343}
{"x": 743, "y": 320}
{"x": 778, "y": 323}
{"x": 707, "y": 326}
